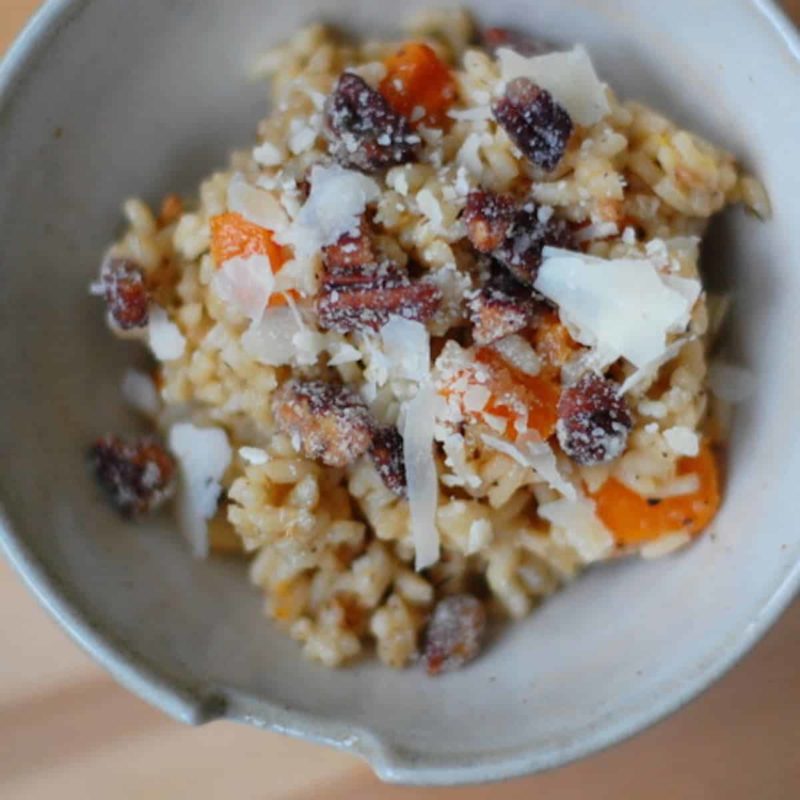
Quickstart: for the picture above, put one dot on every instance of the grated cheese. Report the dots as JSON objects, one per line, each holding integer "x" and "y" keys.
{"x": 203, "y": 455}
{"x": 683, "y": 440}
{"x": 254, "y": 455}
{"x": 578, "y": 526}
{"x": 406, "y": 345}
{"x": 569, "y": 76}
{"x": 256, "y": 205}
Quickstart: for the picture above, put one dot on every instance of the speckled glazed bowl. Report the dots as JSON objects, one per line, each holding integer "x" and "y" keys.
{"x": 101, "y": 98}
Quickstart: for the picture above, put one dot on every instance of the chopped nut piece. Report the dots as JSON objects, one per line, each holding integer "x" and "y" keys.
{"x": 328, "y": 421}
{"x": 535, "y": 122}
{"x": 364, "y": 132}
{"x": 594, "y": 421}
{"x": 387, "y": 456}
{"x": 532, "y": 231}
{"x": 502, "y": 307}
{"x": 126, "y": 294}
{"x": 368, "y": 305}
{"x": 350, "y": 259}
{"x": 455, "y": 633}
{"x": 488, "y": 218}
{"x": 138, "y": 476}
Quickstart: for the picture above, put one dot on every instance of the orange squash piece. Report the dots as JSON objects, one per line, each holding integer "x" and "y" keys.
{"x": 551, "y": 340}
{"x": 233, "y": 236}
{"x": 514, "y": 394}
{"x": 416, "y": 77}
{"x": 634, "y": 520}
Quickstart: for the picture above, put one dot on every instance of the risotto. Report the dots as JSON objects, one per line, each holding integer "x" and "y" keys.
{"x": 434, "y": 345}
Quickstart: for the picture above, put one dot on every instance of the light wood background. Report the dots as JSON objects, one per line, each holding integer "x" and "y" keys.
{"x": 67, "y": 731}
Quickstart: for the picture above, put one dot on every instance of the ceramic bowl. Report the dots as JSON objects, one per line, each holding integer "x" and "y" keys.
{"x": 99, "y": 100}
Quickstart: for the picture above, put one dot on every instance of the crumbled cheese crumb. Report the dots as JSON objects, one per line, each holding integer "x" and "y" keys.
{"x": 683, "y": 440}
{"x": 164, "y": 336}
{"x": 246, "y": 284}
{"x": 203, "y": 456}
{"x": 254, "y": 455}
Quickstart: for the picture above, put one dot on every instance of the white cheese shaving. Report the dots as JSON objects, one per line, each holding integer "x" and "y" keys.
{"x": 578, "y": 526}
{"x": 431, "y": 208}
{"x": 456, "y": 459}
{"x": 731, "y": 383}
{"x": 421, "y": 476}
{"x": 246, "y": 284}
{"x": 680, "y": 486}
{"x": 343, "y": 353}
{"x": 203, "y": 455}
{"x": 474, "y": 114}
{"x": 164, "y": 336}
{"x": 518, "y": 352}
{"x": 537, "y": 455}
{"x": 334, "y": 207}
{"x": 140, "y": 393}
{"x": 270, "y": 341}
{"x": 683, "y": 440}
{"x": 621, "y": 307}
{"x": 406, "y": 345}
{"x": 569, "y": 76}
{"x": 254, "y": 455}
{"x": 255, "y": 205}
{"x": 653, "y": 408}
{"x": 648, "y": 371}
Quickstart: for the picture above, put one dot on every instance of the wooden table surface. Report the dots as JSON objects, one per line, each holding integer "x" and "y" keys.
{"x": 67, "y": 731}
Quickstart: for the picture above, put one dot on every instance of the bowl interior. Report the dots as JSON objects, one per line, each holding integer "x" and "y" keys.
{"x": 110, "y": 99}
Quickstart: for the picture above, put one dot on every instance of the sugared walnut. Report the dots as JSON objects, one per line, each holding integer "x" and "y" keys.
{"x": 535, "y": 122}
{"x": 386, "y": 453}
{"x": 495, "y": 38}
{"x": 369, "y": 304}
{"x": 328, "y": 421}
{"x": 488, "y": 217}
{"x": 534, "y": 228}
{"x": 351, "y": 258}
{"x": 501, "y": 307}
{"x": 138, "y": 476}
{"x": 127, "y": 297}
{"x": 593, "y": 420}
{"x": 454, "y": 634}
{"x": 364, "y": 132}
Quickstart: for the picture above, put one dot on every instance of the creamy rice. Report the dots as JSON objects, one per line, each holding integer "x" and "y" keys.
{"x": 332, "y": 547}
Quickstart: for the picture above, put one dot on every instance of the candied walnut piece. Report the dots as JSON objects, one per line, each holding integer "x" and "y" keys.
{"x": 495, "y": 38}
{"x": 351, "y": 258}
{"x": 368, "y": 305}
{"x": 454, "y": 634}
{"x": 328, "y": 421}
{"x": 488, "y": 217}
{"x": 364, "y": 132}
{"x": 138, "y": 476}
{"x": 127, "y": 297}
{"x": 535, "y": 122}
{"x": 501, "y": 307}
{"x": 387, "y": 456}
{"x": 534, "y": 229}
{"x": 593, "y": 420}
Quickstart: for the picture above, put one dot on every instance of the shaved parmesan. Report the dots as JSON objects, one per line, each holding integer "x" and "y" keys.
{"x": 578, "y": 526}
{"x": 246, "y": 284}
{"x": 268, "y": 155}
{"x": 518, "y": 352}
{"x": 270, "y": 341}
{"x": 621, "y": 307}
{"x": 255, "y": 205}
{"x": 569, "y": 76}
{"x": 203, "y": 455}
{"x": 337, "y": 200}
{"x": 343, "y": 353}
{"x": 165, "y": 338}
{"x": 423, "y": 482}
{"x": 406, "y": 345}
{"x": 536, "y": 455}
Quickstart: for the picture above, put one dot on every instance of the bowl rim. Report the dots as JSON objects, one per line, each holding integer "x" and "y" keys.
{"x": 195, "y": 703}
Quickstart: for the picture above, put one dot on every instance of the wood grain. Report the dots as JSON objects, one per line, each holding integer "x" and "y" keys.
{"x": 65, "y": 726}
